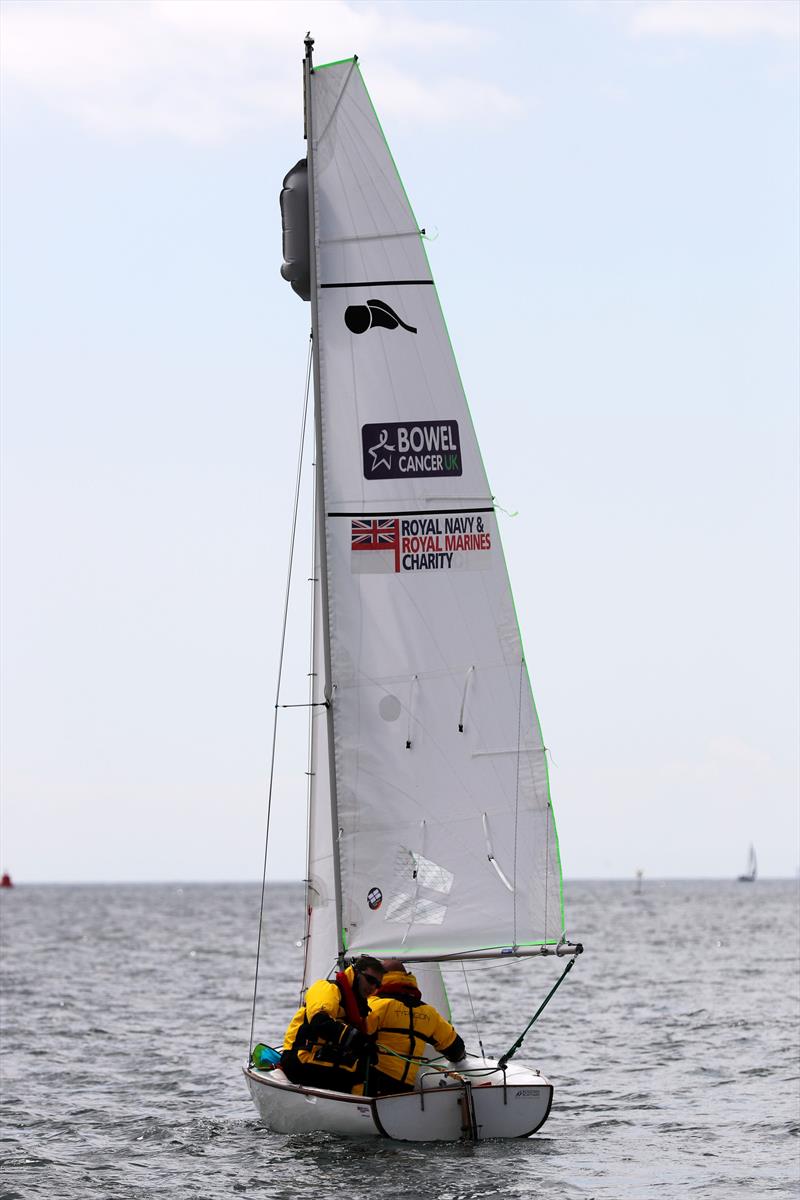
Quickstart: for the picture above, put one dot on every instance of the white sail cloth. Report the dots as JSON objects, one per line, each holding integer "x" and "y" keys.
{"x": 443, "y": 828}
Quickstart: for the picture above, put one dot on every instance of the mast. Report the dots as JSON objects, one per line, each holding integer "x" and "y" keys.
{"x": 324, "y": 632}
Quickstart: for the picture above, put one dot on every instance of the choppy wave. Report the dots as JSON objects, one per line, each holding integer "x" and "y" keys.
{"x": 672, "y": 1047}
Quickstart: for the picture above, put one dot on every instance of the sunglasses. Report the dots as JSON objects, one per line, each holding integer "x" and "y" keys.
{"x": 371, "y": 979}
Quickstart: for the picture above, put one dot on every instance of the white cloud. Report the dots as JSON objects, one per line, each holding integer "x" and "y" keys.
{"x": 449, "y": 99}
{"x": 717, "y": 18}
{"x": 726, "y": 756}
{"x": 203, "y": 70}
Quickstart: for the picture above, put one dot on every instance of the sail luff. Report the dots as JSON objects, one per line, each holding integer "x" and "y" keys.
{"x": 322, "y": 628}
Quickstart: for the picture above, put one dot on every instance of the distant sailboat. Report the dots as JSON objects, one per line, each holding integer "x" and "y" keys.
{"x": 750, "y": 874}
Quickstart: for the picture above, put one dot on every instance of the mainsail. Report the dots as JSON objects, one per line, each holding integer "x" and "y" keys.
{"x": 431, "y": 826}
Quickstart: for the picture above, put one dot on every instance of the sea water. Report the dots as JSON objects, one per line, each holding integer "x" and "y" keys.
{"x": 672, "y": 1045}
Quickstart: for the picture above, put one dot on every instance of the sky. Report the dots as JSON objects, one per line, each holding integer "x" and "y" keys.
{"x": 611, "y": 196}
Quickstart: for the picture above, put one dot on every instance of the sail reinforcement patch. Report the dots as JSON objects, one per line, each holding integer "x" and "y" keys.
{"x": 414, "y": 871}
{"x": 389, "y": 707}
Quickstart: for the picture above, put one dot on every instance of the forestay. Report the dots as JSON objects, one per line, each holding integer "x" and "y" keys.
{"x": 442, "y": 832}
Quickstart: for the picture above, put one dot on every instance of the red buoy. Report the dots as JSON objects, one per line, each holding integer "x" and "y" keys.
{"x": 5, "y": 881}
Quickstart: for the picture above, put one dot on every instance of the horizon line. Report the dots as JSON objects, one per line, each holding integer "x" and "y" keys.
{"x": 257, "y": 882}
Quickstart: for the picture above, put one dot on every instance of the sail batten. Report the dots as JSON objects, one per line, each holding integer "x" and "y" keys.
{"x": 380, "y": 282}
{"x": 432, "y": 735}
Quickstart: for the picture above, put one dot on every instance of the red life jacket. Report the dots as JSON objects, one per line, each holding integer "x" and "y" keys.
{"x": 350, "y": 1003}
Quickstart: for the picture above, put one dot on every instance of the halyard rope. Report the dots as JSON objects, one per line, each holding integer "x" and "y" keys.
{"x": 472, "y": 1006}
{"x": 278, "y": 687}
{"x": 516, "y": 797}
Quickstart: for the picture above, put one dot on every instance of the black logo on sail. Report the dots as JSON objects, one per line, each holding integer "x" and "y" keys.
{"x": 411, "y": 450}
{"x": 375, "y": 314}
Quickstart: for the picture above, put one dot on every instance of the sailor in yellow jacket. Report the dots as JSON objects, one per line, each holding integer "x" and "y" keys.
{"x": 404, "y": 1025}
{"x": 326, "y": 1044}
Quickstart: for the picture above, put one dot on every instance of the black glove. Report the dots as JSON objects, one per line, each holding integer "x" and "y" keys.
{"x": 353, "y": 1041}
{"x": 456, "y": 1050}
{"x": 322, "y": 1025}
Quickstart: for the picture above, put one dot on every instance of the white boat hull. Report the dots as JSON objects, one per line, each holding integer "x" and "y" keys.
{"x": 495, "y": 1104}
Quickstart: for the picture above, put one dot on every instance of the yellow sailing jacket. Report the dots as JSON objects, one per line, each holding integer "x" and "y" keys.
{"x": 404, "y": 1024}
{"x": 317, "y": 1041}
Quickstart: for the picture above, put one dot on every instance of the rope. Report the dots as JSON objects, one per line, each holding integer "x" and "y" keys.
{"x": 501, "y": 1062}
{"x": 516, "y": 797}
{"x": 278, "y": 688}
{"x": 312, "y": 686}
{"x": 434, "y": 1065}
{"x": 472, "y": 1006}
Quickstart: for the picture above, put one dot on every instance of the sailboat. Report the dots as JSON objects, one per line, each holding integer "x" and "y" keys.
{"x": 431, "y": 835}
{"x": 752, "y": 867}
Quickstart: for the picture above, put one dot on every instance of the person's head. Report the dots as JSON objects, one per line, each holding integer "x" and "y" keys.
{"x": 394, "y": 964}
{"x": 368, "y": 975}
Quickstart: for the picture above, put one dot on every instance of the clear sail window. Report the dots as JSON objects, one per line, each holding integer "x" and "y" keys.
{"x": 406, "y": 909}
{"x": 423, "y": 872}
